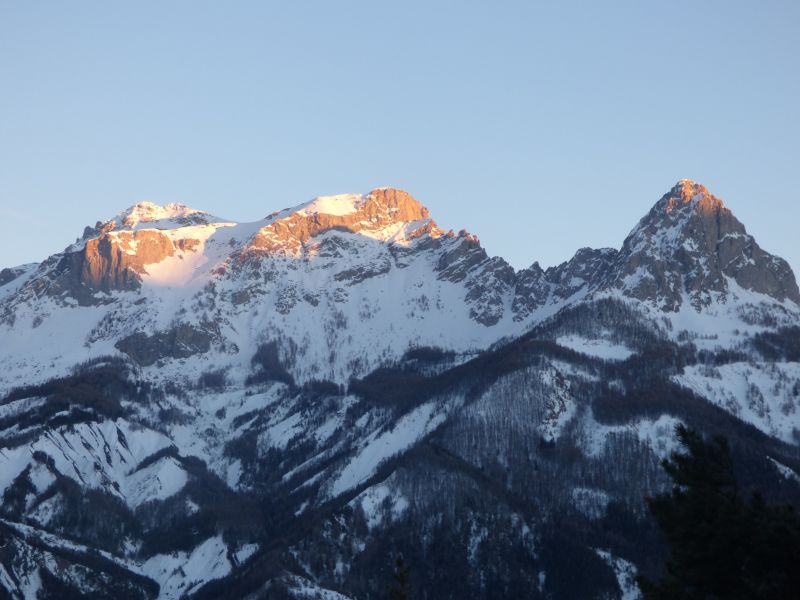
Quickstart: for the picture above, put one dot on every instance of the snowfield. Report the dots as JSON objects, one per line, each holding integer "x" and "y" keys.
{"x": 604, "y": 349}
{"x": 766, "y": 395}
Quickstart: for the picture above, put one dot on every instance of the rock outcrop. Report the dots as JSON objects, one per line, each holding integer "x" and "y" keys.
{"x": 116, "y": 261}
{"x": 181, "y": 341}
{"x": 9, "y": 274}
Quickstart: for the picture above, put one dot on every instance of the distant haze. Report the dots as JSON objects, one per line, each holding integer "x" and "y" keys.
{"x": 538, "y": 128}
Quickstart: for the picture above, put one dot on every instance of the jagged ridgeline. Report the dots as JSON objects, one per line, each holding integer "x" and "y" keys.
{"x": 193, "y": 407}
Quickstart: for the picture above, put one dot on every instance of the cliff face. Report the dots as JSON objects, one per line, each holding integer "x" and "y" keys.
{"x": 116, "y": 261}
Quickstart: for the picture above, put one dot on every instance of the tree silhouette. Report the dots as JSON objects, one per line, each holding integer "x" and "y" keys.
{"x": 720, "y": 545}
{"x": 399, "y": 589}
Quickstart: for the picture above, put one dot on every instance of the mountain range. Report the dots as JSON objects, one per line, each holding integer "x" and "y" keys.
{"x": 197, "y": 408}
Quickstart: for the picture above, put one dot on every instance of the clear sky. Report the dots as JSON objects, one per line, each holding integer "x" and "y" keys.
{"x": 541, "y": 127}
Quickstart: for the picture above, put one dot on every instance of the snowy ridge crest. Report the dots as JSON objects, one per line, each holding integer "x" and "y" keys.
{"x": 148, "y": 213}
{"x": 369, "y": 275}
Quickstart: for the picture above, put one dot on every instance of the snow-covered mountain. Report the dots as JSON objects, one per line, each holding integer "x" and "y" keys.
{"x": 198, "y": 407}
{"x": 345, "y": 282}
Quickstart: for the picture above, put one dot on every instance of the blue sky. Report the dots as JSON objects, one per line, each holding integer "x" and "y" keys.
{"x": 541, "y": 127}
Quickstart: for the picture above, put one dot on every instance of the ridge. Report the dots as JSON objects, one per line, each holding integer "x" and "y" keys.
{"x": 384, "y": 214}
{"x": 162, "y": 216}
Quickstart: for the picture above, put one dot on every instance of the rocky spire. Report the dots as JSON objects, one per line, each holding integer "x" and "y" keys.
{"x": 690, "y": 244}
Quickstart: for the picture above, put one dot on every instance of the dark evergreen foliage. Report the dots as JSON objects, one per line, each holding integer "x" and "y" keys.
{"x": 268, "y": 366}
{"x": 212, "y": 380}
{"x": 783, "y": 344}
{"x": 428, "y": 354}
{"x": 401, "y": 577}
{"x": 722, "y": 546}
{"x": 97, "y": 386}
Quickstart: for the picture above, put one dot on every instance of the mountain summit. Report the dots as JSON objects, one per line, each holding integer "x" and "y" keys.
{"x": 691, "y": 246}
{"x": 689, "y": 193}
{"x": 383, "y": 214}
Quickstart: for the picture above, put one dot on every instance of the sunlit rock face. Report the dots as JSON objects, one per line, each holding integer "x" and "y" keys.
{"x": 376, "y": 215}
{"x": 115, "y": 253}
{"x": 115, "y": 261}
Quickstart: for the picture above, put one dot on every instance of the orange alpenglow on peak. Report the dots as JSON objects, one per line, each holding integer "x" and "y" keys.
{"x": 399, "y": 202}
{"x": 383, "y": 213}
{"x": 687, "y": 192}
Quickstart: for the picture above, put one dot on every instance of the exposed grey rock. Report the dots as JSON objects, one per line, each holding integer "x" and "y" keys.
{"x": 488, "y": 280}
{"x": 531, "y": 291}
{"x": 240, "y": 297}
{"x": 584, "y": 271}
{"x": 363, "y": 272}
{"x": 287, "y": 299}
{"x": 181, "y": 341}
{"x": 9, "y": 275}
{"x": 461, "y": 256}
{"x": 690, "y": 243}
{"x": 488, "y": 287}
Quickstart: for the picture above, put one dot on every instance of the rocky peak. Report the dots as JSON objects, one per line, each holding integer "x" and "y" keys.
{"x": 687, "y": 208}
{"x": 147, "y": 215}
{"x": 385, "y": 214}
{"x": 385, "y": 205}
{"x": 688, "y": 193}
{"x": 691, "y": 244}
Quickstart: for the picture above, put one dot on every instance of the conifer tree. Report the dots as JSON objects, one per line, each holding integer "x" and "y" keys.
{"x": 401, "y": 580}
{"x": 721, "y": 546}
